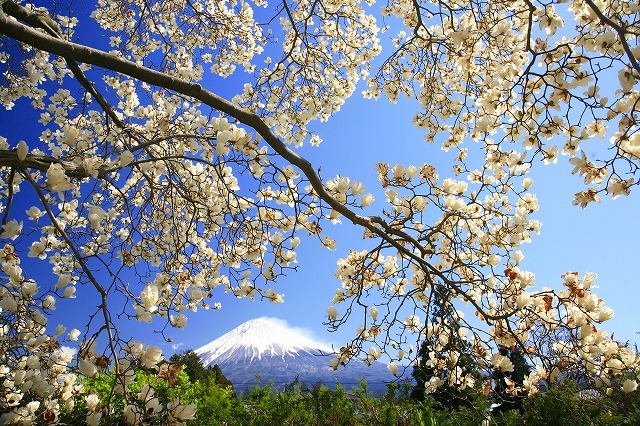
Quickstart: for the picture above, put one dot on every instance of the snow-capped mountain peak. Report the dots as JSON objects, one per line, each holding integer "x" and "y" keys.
{"x": 268, "y": 349}
{"x": 258, "y": 338}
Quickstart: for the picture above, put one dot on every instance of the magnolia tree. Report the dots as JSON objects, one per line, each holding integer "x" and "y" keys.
{"x": 149, "y": 188}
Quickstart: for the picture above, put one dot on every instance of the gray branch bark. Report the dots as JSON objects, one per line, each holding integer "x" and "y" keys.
{"x": 80, "y": 53}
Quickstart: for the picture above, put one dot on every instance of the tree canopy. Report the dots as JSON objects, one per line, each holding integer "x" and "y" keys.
{"x": 148, "y": 186}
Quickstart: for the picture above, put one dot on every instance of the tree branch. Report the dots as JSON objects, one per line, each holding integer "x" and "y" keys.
{"x": 40, "y": 21}
{"x": 42, "y": 163}
{"x": 88, "y": 55}
{"x": 619, "y": 31}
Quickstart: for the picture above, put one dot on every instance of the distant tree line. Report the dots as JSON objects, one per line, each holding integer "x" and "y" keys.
{"x": 184, "y": 377}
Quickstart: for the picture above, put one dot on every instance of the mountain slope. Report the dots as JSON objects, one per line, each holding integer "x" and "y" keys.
{"x": 269, "y": 347}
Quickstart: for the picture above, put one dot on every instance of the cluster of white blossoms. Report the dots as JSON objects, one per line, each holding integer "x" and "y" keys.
{"x": 471, "y": 254}
{"x": 527, "y": 78}
{"x": 159, "y": 195}
{"x": 38, "y": 376}
{"x": 325, "y": 50}
{"x": 225, "y": 32}
{"x": 152, "y": 196}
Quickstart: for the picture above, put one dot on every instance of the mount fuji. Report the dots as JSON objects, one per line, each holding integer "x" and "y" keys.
{"x": 268, "y": 347}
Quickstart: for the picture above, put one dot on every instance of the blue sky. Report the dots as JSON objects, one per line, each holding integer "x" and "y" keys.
{"x": 598, "y": 239}
{"x": 601, "y": 239}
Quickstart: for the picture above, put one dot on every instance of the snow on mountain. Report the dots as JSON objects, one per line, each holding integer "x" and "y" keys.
{"x": 274, "y": 350}
{"x": 257, "y": 338}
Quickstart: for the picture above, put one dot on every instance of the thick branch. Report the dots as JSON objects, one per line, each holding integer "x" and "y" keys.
{"x": 81, "y": 261}
{"x": 42, "y": 163}
{"x": 88, "y": 55}
{"x": 75, "y": 52}
{"x": 619, "y": 30}
{"x": 37, "y": 20}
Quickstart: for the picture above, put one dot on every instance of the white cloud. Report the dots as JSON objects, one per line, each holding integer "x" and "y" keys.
{"x": 307, "y": 332}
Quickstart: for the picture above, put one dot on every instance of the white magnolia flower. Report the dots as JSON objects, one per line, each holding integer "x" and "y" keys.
{"x": 92, "y": 165}
{"x": 146, "y": 393}
{"x": 13, "y": 271}
{"x": 63, "y": 280}
{"x": 374, "y": 313}
{"x": 374, "y": 352}
{"x": 334, "y": 362}
{"x": 93, "y": 402}
{"x": 126, "y": 158}
{"x": 49, "y": 302}
{"x": 69, "y": 292}
{"x": 589, "y": 279}
{"x": 629, "y": 386}
{"x": 605, "y": 314}
{"x": 332, "y": 312}
{"x": 11, "y": 229}
{"x": 627, "y": 356}
{"x": 132, "y": 415}
{"x": 142, "y": 314}
{"x": 32, "y": 407}
{"x": 35, "y": 213}
{"x": 493, "y": 260}
{"x": 29, "y": 289}
{"x": 93, "y": 419}
{"x": 518, "y": 256}
{"x": 65, "y": 354}
{"x": 9, "y": 303}
{"x": 70, "y": 134}
{"x": 366, "y": 200}
{"x": 22, "y": 150}
{"x": 617, "y": 187}
{"x": 135, "y": 348}
{"x": 37, "y": 249}
{"x": 74, "y": 334}
{"x": 181, "y": 412}
{"x": 273, "y": 296}
{"x": 13, "y": 398}
{"x": 615, "y": 364}
{"x": 179, "y": 320}
{"x": 57, "y": 178}
{"x": 152, "y": 406}
{"x": 412, "y": 322}
{"x": 401, "y": 354}
{"x": 87, "y": 367}
{"x": 149, "y": 297}
{"x": 151, "y": 357}
{"x": 95, "y": 216}
{"x": 502, "y": 363}
{"x": 433, "y": 384}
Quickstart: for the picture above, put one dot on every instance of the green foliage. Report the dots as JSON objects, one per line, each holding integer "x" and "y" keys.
{"x": 216, "y": 404}
{"x": 565, "y": 405}
{"x": 300, "y": 405}
{"x": 330, "y": 406}
{"x": 265, "y": 406}
{"x": 389, "y": 410}
{"x": 430, "y": 412}
{"x": 503, "y": 393}
{"x": 191, "y": 363}
{"x": 448, "y": 396}
{"x": 297, "y": 404}
{"x": 219, "y": 378}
